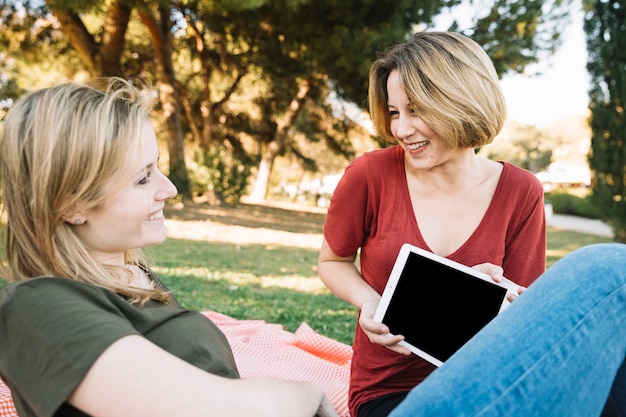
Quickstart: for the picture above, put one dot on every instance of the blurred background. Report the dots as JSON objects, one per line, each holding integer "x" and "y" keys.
{"x": 265, "y": 100}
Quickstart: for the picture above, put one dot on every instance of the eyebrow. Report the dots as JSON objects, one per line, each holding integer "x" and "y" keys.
{"x": 146, "y": 168}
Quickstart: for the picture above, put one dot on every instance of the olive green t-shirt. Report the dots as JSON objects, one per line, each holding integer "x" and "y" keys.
{"x": 53, "y": 329}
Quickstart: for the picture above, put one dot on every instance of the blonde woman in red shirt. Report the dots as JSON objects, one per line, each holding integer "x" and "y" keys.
{"x": 436, "y": 99}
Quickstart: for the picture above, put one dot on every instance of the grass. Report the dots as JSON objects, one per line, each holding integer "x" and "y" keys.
{"x": 561, "y": 242}
{"x": 276, "y": 283}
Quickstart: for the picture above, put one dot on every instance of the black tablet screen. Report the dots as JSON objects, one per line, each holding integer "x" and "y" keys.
{"x": 438, "y": 308}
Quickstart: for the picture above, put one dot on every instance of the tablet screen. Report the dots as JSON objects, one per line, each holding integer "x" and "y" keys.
{"x": 438, "y": 307}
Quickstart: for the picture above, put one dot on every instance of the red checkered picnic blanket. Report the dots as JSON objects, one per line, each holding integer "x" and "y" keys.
{"x": 6, "y": 403}
{"x": 263, "y": 349}
{"x": 267, "y": 350}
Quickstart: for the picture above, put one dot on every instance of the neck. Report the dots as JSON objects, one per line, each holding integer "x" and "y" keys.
{"x": 455, "y": 174}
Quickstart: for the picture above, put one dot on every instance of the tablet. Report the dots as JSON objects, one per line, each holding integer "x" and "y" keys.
{"x": 438, "y": 304}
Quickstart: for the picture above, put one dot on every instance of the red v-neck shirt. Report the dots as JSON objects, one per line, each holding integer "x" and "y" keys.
{"x": 371, "y": 210}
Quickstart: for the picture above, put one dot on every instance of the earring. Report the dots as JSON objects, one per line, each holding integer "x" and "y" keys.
{"x": 78, "y": 221}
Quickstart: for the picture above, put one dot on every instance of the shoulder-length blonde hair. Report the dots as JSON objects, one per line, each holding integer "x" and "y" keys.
{"x": 451, "y": 84}
{"x": 60, "y": 147}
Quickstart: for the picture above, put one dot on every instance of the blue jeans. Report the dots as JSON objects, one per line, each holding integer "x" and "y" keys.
{"x": 558, "y": 350}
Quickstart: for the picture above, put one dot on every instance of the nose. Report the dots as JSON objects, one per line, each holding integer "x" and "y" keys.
{"x": 166, "y": 189}
{"x": 404, "y": 126}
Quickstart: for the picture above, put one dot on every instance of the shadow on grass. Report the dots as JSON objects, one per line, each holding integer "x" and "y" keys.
{"x": 250, "y": 215}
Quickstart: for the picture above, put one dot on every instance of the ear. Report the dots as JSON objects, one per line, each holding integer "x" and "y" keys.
{"x": 74, "y": 219}
{"x": 74, "y": 213}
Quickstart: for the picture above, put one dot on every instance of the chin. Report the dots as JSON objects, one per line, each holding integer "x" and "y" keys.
{"x": 419, "y": 166}
{"x": 156, "y": 240}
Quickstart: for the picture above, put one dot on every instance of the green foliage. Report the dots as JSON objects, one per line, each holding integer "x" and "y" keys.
{"x": 223, "y": 50}
{"x": 518, "y": 33}
{"x": 526, "y": 146}
{"x": 219, "y": 173}
{"x": 30, "y": 45}
{"x": 574, "y": 201}
{"x": 79, "y": 6}
{"x": 9, "y": 90}
{"x": 606, "y": 43}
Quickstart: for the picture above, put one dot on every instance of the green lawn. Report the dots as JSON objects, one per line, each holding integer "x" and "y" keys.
{"x": 275, "y": 283}
{"x": 278, "y": 284}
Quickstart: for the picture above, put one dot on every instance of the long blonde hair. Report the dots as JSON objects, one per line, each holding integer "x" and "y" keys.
{"x": 60, "y": 147}
{"x": 451, "y": 83}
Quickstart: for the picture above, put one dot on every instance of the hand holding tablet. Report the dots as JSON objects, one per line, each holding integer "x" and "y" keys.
{"x": 438, "y": 304}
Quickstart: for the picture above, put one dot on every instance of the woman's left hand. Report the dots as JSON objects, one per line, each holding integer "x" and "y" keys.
{"x": 496, "y": 273}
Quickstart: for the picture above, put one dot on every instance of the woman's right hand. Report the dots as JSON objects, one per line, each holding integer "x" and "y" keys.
{"x": 341, "y": 276}
{"x": 377, "y": 332}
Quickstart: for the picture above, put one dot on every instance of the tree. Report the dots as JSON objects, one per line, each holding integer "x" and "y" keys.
{"x": 307, "y": 47}
{"x": 525, "y": 146}
{"x": 518, "y": 33}
{"x": 159, "y": 25}
{"x": 605, "y": 27}
{"x": 100, "y": 54}
{"x": 97, "y": 32}
{"x": 26, "y": 40}
{"x": 251, "y": 76}
{"x": 333, "y": 42}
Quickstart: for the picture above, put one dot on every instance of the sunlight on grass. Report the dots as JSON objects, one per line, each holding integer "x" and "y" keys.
{"x": 276, "y": 283}
{"x": 556, "y": 253}
{"x": 239, "y": 278}
{"x": 288, "y": 300}
{"x": 235, "y": 279}
{"x": 562, "y": 242}
{"x": 307, "y": 285}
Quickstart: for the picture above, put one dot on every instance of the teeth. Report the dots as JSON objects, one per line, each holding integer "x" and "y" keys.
{"x": 415, "y": 146}
{"x": 156, "y": 216}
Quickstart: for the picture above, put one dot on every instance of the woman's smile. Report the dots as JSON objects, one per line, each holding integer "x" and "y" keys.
{"x": 158, "y": 216}
{"x": 417, "y": 145}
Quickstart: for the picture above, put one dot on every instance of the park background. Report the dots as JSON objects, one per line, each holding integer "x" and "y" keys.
{"x": 262, "y": 105}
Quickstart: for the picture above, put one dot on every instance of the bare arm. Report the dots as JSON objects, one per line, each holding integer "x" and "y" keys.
{"x": 341, "y": 276}
{"x": 134, "y": 378}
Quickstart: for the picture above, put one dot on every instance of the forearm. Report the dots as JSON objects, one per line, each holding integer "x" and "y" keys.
{"x": 341, "y": 276}
{"x": 344, "y": 280}
{"x": 276, "y": 398}
{"x": 135, "y": 378}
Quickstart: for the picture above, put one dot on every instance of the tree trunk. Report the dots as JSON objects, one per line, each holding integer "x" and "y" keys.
{"x": 261, "y": 183}
{"x": 160, "y": 32}
{"x": 100, "y": 59}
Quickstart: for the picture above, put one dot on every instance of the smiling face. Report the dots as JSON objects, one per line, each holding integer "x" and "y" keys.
{"x": 452, "y": 81}
{"x": 132, "y": 216}
{"x": 423, "y": 148}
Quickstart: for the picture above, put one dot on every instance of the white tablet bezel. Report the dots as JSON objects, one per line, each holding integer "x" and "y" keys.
{"x": 396, "y": 274}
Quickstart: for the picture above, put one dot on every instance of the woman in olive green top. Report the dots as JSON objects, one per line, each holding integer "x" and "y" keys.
{"x": 86, "y": 328}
